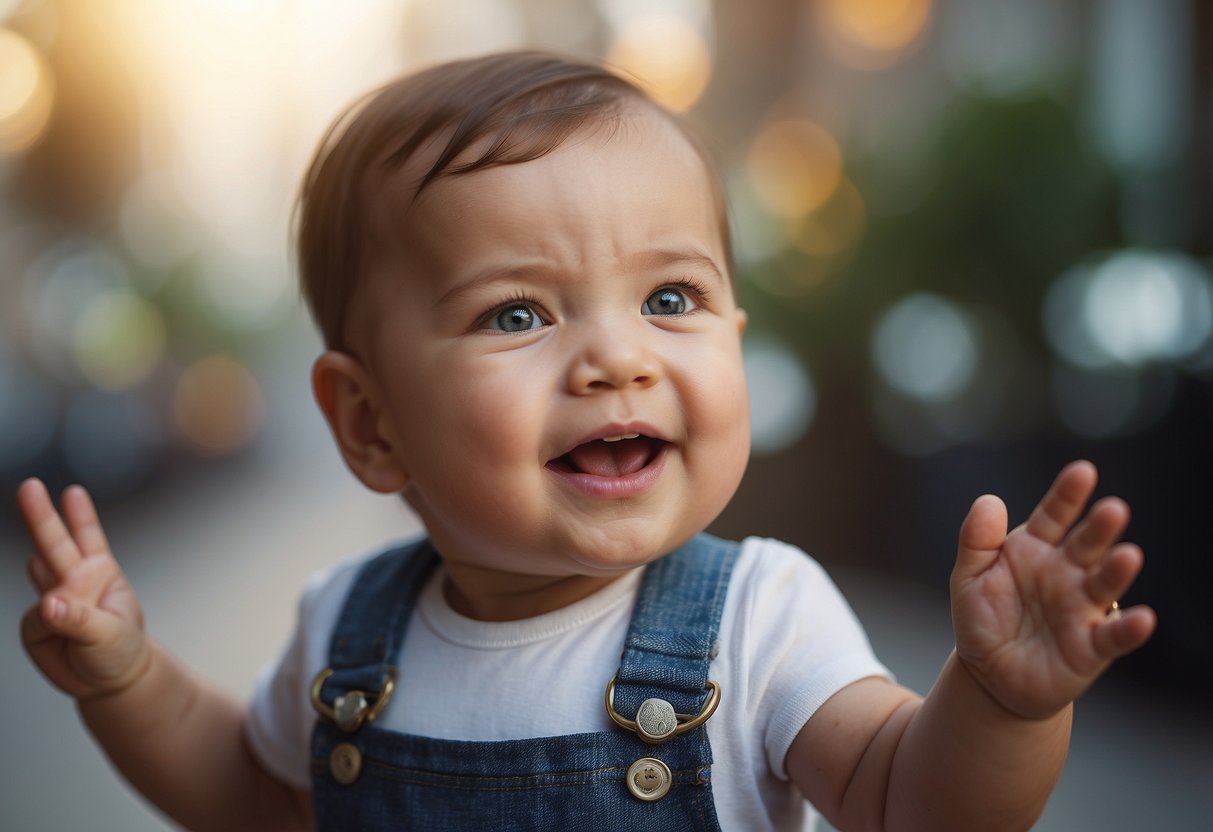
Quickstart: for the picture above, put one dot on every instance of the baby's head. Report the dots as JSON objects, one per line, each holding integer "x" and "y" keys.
{"x": 448, "y": 120}
{"x": 520, "y": 266}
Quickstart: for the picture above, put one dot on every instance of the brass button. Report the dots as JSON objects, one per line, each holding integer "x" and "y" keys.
{"x": 345, "y": 763}
{"x": 649, "y": 779}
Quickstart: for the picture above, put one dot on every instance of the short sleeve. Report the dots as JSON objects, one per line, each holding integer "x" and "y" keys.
{"x": 802, "y": 640}
{"x": 278, "y": 725}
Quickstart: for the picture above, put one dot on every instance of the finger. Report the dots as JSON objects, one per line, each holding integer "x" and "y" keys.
{"x": 75, "y": 620}
{"x": 1115, "y": 637}
{"x": 40, "y": 575}
{"x": 981, "y": 537}
{"x": 33, "y": 629}
{"x": 46, "y": 528}
{"x": 1109, "y": 581}
{"x": 82, "y": 519}
{"x": 1063, "y": 503}
{"x": 1090, "y": 539}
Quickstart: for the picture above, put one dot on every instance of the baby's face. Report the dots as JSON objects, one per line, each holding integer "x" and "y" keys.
{"x": 558, "y": 354}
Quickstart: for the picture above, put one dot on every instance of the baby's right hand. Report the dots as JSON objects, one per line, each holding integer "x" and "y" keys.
{"x": 86, "y": 633}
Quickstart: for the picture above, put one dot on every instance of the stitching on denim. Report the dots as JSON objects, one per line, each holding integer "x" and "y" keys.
{"x": 473, "y": 782}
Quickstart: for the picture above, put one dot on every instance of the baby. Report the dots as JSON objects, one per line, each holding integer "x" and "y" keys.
{"x": 521, "y": 269}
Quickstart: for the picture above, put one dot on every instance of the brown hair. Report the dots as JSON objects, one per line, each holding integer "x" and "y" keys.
{"x": 525, "y": 103}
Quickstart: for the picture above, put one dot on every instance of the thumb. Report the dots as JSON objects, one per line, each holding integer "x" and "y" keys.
{"x": 981, "y": 537}
{"x": 80, "y": 622}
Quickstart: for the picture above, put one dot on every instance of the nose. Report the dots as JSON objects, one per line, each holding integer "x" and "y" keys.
{"x": 609, "y": 357}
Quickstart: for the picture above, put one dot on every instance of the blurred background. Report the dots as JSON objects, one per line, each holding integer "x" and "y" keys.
{"x": 973, "y": 237}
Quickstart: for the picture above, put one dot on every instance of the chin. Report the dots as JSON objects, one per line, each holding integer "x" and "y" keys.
{"x": 613, "y": 549}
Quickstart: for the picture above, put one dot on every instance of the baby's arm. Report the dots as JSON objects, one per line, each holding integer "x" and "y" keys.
{"x": 986, "y": 746}
{"x": 177, "y": 739}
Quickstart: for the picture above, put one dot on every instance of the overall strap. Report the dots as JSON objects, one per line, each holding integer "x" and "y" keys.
{"x": 370, "y": 629}
{"x": 672, "y": 636}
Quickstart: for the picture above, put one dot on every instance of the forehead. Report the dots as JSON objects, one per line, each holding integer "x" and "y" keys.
{"x": 629, "y": 176}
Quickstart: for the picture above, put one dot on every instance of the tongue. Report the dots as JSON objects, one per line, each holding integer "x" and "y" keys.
{"x": 611, "y": 459}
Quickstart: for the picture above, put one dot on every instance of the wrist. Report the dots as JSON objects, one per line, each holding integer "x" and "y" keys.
{"x": 128, "y": 692}
{"x": 971, "y": 675}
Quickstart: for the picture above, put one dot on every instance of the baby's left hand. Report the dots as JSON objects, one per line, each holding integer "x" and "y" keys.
{"x": 1030, "y": 608}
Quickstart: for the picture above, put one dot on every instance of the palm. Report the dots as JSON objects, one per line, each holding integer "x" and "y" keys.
{"x": 1030, "y": 607}
{"x": 97, "y": 643}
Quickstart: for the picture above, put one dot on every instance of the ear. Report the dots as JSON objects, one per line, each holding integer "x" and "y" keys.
{"x": 350, "y": 401}
{"x": 742, "y": 320}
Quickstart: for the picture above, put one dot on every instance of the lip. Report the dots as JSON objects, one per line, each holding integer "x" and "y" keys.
{"x": 615, "y": 488}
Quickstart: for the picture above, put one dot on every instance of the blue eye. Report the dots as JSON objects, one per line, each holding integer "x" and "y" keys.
{"x": 667, "y": 301}
{"x": 517, "y": 318}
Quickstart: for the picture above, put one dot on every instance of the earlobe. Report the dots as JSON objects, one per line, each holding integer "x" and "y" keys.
{"x": 352, "y": 406}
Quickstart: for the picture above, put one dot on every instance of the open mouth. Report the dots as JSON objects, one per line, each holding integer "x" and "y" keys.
{"x": 616, "y": 456}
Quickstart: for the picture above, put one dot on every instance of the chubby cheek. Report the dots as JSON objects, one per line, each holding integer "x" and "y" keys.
{"x": 475, "y": 424}
{"x": 498, "y": 408}
{"x": 718, "y": 414}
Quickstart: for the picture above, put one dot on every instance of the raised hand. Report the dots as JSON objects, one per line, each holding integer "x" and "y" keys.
{"x": 86, "y": 632}
{"x": 1031, "y": 608}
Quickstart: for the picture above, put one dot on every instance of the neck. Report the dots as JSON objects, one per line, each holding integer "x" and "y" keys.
{"x": 488, "y": 595}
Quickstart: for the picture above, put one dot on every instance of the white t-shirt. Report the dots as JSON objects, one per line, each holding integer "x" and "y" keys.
{"x": 788, "y": 641}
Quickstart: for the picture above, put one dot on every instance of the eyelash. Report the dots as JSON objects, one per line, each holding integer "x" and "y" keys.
{"x": 695, "y": 287}
{"x": 516, "y": 298}
{"x": 521, "y": 298}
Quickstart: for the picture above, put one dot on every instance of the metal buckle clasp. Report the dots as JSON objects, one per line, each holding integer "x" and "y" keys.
{"x": 656, "y": 721}
{"x": 349, "y": 711}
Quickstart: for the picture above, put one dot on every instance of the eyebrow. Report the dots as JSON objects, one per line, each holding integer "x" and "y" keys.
{"x": 690, "y": 256}
{"x": 655, "y": 258}
{"x": 494, "y": 274}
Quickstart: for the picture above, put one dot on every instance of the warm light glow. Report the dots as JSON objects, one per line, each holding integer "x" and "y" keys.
{"x": 7, "y": 7}
{"x": 442, "y": 30}
{"x": 218, "y": 406}
{"x": 235, "y": 94}
{"x": 26, "y": 93}
{"x": 668, "y": 56}
{"x": 835, "y": 227}
{"x": 119, "y": 340}
{"x": 19, "y": 73}
{"x": 794, "y": 167}
{"x": 869, "y": 32}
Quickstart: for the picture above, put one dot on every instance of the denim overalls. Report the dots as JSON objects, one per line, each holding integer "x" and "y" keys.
{"x": 365, "y": 777}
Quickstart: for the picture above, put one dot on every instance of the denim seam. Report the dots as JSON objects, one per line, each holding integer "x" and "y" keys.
{"x": 475, "y": 784}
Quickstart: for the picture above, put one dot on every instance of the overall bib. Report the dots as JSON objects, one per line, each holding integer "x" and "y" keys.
{"x": 367, "y": 778}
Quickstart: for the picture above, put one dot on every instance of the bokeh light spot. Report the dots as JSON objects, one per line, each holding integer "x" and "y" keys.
{"x": 836, "y": 226}
{"x": 875, "y": 25}
{"x": 782, "y": 398}
{"x": 119, "y": 340}
{"x": 26, "y": 93}
{"x": 59, "y": 287}
{"x": 925, "y": 347}
{"x": 1130, "y": 309}
{"x": 794, "y": 167}
{"x": 217, "y": 406}
{"x": 668, "y": 56}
